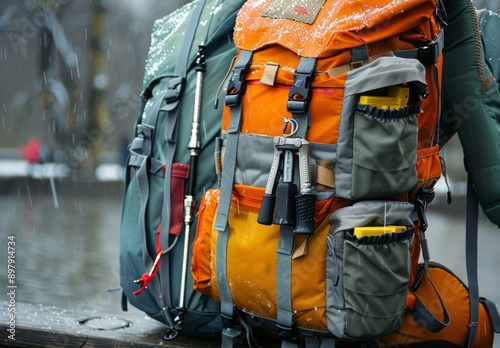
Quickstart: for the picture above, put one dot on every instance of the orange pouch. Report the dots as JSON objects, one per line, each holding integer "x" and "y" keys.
{"x": 251, "y": 252}
{"x": 200, "y": 263}
{"x": 455, "y": 296}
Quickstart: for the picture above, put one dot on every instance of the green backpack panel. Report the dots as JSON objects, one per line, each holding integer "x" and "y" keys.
{"x": 471, "y": 99}
{"x": 159, "y": 159}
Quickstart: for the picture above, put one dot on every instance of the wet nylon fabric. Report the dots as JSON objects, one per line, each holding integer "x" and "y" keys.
{"x": 251, "y": 248}
{"x": 339, "y": 25}
{"x": 167, "y": 37}
{"x": 471, "y": 109}
{"x": 455, "y": 295}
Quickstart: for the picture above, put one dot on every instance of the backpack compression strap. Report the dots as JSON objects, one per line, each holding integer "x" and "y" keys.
{"x": 471, "y": 244}
{"x": 160, "y": 288}
{"x": 300, "y": 94}
{"x": 173, "y": 98}
{"x": 233, "y": 99}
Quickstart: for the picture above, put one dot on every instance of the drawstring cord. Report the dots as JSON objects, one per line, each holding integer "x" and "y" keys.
{"x": 146, "y": 277}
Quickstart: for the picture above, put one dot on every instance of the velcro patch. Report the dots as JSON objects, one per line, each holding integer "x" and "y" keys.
{"x": 304, "y": 11}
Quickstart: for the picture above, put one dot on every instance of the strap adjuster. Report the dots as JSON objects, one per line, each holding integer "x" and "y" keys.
{"x": 175, "y": 89}
{"x": 228, "y": 322}
{"x": 428, "y": 55}
{"x": 236, "y": 87}
{"x": 300, "y": 92}
{"x": 289, "y": 334}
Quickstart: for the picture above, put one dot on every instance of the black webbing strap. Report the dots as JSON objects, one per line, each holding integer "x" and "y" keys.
{"x": 428, "y": 54}
{"x": 471, "y": 244}
{"x": 299, "y": 96}
{"x": 420, "y": 311}
{"x": 235, "y": 90}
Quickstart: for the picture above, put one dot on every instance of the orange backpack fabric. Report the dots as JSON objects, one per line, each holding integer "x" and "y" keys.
{"x": 279, "y": 37}
{"x": 455, "y": 296}
{"x": 338, "y": 27}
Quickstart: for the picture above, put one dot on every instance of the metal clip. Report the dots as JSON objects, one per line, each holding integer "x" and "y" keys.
{"x": 294, "y": 127}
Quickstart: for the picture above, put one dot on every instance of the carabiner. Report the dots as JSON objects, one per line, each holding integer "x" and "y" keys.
{"x": 294, "y": 127}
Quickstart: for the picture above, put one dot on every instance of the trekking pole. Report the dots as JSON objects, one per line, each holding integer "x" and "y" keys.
{"x": 194, "y": 149}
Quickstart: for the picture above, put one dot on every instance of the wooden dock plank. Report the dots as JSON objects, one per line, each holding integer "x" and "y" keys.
{"x": 46, "y": 326}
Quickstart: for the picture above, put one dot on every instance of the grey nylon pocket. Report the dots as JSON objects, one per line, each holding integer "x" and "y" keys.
{"x": 368, "y": 277}
{"x": 376, "y": 152}
{"x": 384, "y": 151}
{"x": 375, "y": 284}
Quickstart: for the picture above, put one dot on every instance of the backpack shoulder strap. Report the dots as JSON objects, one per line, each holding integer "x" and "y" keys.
{"x": 471, "y": 244}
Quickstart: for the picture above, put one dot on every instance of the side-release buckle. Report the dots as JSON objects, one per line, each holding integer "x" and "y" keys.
{"x": 229, "y": 322}
{"x": 236, "y": 87}
{"x": 300, "y": 92}
{"x": 175, "y": 89}
{"x": 428, "y": 55}
{"x": 288, "y": 334}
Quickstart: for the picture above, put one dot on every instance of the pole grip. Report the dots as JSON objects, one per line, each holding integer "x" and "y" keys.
{"x": 266, "y": 210}
{"x": 284, "y": 213}
{"x": 305, "y": 204}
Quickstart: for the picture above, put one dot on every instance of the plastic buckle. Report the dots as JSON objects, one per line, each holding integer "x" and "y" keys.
{"x": 428, "y": 55}
{"x": 232, "y": 99}
{"x": 289, "y": 334}
{"x": 175, "y": 89}
{"x": 228, "y": 321}
{"x": 424, "y": 197}
{"x": 300, "y": 93}
{"x": 426, "y": 194}
{"x": 236, "y": 86}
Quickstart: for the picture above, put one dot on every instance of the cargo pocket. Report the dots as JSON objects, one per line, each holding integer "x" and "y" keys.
{"x": 378, "y": 132}
{"x": 384, "y": 151}
{"x": 368, "y": 267}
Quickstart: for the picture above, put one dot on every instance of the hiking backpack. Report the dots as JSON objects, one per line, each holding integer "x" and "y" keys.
{"x": 330, "y": 154}
{"x": 193, "y": 41}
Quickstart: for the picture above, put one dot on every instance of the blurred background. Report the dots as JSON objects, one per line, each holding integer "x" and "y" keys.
{"x": 71, "y": 75}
